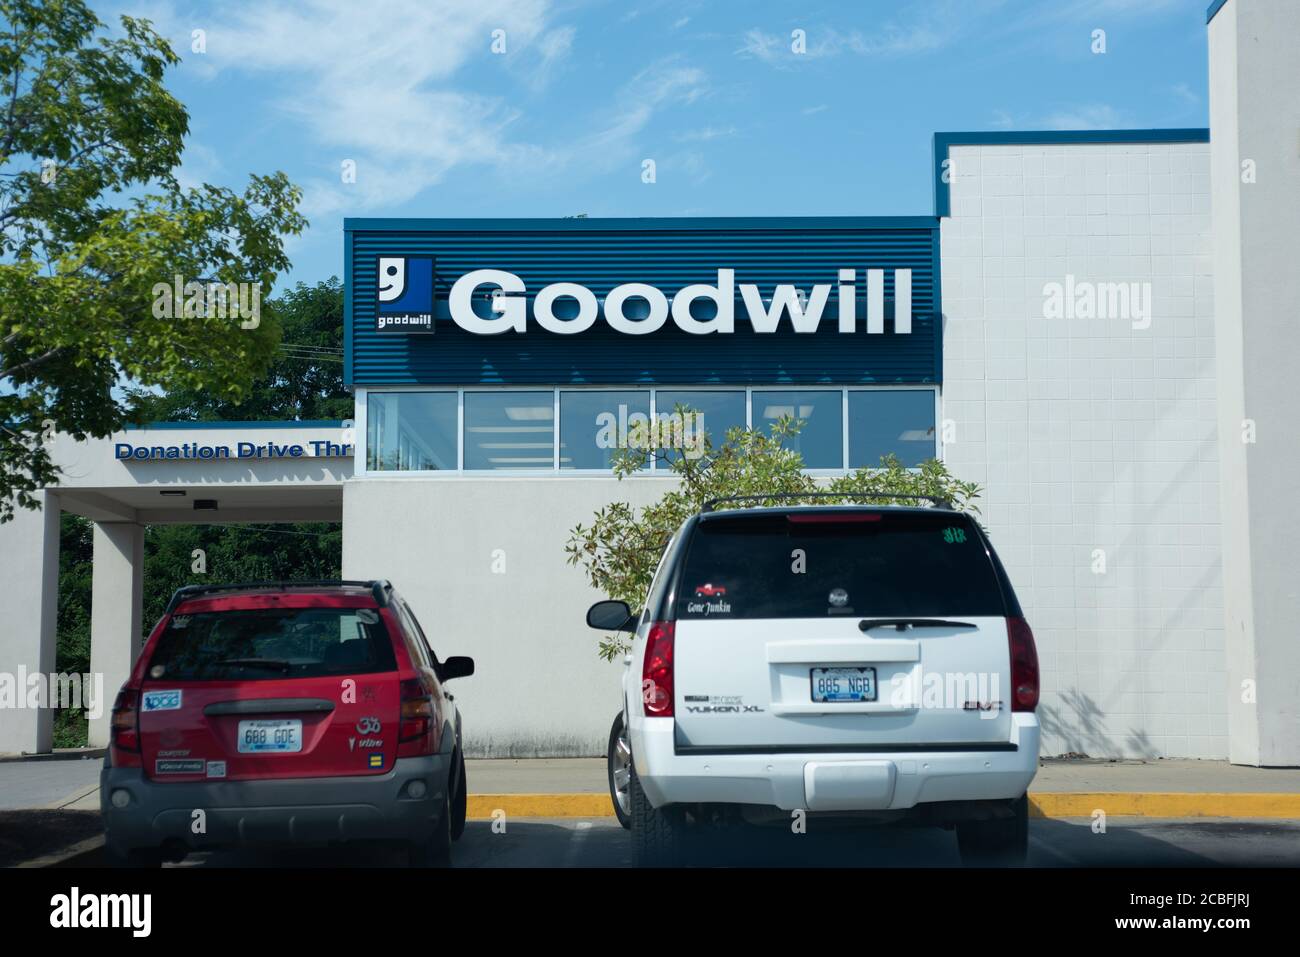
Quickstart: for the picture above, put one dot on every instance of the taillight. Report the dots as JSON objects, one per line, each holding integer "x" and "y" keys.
{"x": 657, "y": 670}
{"x": 125, "y": 728}
{"x": 417, "y": 712}
{"x": 1024, "y": 665}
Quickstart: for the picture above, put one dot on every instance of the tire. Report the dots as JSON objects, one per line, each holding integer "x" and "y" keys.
{"x": 618, "y": 769}
{"x": 460, "y": 800}
{"x": 658, "y": 834}
{"x": 999, "y": 843}
{"x": 435, "y": 850}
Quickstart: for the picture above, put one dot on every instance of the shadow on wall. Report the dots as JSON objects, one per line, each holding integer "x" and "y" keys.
{"x": 1076, "y": 725}
{"x": 526, "y": 744}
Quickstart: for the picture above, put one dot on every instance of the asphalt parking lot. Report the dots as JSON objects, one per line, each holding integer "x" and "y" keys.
{"x": 602, "y": 843}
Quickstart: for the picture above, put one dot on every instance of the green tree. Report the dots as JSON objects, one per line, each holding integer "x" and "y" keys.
{"x": 72, "y": 655}
{"x": 92, "y": 219}
{"x": 235, "y": 553}
{"x": 303, "y": 381}
{"x": 620, "y": 549}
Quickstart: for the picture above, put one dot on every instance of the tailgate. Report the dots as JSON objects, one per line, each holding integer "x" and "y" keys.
{"x": 829, "y": 629}
{"x": 751, "y": 684}
{"x": 270, "y": 693}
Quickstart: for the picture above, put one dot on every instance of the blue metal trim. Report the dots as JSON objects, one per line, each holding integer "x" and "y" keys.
{"x": 938, "y": 311}
{"x": 1215, "y": 7}
{"x": 347, "y": 307}
{"x": 647, "y": 223}
{"x": 230, "y": 424}
{"x": 942, "y": 141}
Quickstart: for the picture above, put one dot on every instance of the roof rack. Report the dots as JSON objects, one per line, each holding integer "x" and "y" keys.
{"x": 938, "y": 501}
{"x": 379, "y": 588}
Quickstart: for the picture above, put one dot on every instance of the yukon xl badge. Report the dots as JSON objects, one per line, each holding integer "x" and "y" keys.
{"x": 719, "y": 704}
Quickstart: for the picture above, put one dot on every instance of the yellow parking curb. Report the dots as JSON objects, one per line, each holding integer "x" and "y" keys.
{"x": 1163, "y": 804}
{"x": 1041, "y": 804}
{"x": 486, "y": 806}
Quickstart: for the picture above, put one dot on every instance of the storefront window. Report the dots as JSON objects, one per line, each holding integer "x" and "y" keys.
{"x": 410, "y": 431}
{"x": 595, "y": 425}
{"x": 506, "y": 429}
{"x": 900, "y": 422}
{"x": 820, "y": 440}
{"x": 713, "y": 413}
{"x": 509, "y": 430}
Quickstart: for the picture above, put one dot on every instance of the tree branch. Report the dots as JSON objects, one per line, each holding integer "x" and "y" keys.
{"x": 31, "y": 363}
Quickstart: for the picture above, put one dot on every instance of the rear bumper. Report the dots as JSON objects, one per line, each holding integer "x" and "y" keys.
{"x": 275, "y": 812}
{"x": 839, "y": 781}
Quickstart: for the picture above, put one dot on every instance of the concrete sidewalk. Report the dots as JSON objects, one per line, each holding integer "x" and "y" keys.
{"x": 576, "y": 787}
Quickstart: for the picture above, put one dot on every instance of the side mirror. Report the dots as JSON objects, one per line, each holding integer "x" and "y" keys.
{"x": 611, "y": 616}
{"x": 457, "y": 666}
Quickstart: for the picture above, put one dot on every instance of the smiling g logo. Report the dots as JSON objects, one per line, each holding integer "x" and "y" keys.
{"x": 404, "y": 294}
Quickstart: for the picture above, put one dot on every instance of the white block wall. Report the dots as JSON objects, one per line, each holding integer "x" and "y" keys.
{"x": 1092, "y": 437}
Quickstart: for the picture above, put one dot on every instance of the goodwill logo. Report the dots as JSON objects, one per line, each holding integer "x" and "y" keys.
{"x": 404, "y": 294}
{"x": 406, "y": 283}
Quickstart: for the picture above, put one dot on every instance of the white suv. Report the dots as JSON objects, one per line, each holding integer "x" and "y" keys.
{"x": 848, "y": 661}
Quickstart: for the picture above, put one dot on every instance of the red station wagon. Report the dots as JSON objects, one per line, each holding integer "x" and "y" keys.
{"x": 285, "y": 713}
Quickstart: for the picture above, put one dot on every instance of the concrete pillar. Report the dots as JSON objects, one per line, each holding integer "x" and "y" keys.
{"x": 117, "y": 607}
{"x": 1255, "y": 190}
{"x": 29, "y": 570}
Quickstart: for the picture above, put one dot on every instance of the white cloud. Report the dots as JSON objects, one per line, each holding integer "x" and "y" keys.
{"x": 1184, "y": 93}
{"x": 373, "y": 85}
{"x": 665, "y": 83}
{"x": 1092, "y": 116}
{"x": 383, "y": 85}
{"x": 705, "y": 133}
{"x": 686, "y": 165}
{"x": 553, "y": 48}
{"x": 927, "y": 27}
{"x": 763, "y": 46}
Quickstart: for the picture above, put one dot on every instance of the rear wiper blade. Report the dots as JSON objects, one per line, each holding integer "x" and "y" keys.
{"x": 279, "y": 664}
{"x": 902, "y": 624}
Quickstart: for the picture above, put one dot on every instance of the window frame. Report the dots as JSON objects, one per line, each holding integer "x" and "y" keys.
{"x": 460, "y": 473}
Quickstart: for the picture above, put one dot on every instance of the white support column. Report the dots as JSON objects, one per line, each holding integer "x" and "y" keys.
{"x": 1255, "y": 186}
{"x": 117, "y": 606}
{"x": 29, "y": 569}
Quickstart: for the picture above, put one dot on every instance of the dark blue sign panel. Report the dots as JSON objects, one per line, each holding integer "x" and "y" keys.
{"x": 658, "y": 301}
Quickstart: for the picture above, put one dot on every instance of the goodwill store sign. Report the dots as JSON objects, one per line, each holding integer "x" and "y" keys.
{"x": 404, "y": 303}
{"x": 316, "y": 448}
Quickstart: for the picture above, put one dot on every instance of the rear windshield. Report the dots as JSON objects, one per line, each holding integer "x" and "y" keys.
{"x": 818, "y": 564}
{"x": 272, "y": 643}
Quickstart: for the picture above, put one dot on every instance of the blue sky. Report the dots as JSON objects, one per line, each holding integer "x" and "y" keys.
{"x": 736, "y": 122}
